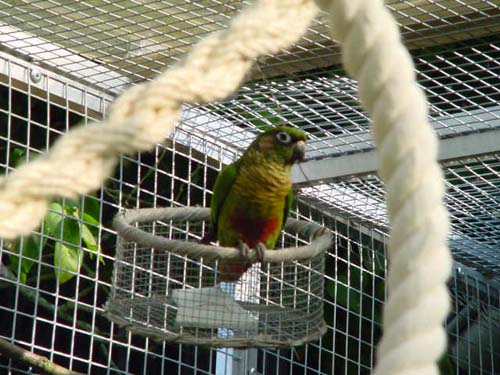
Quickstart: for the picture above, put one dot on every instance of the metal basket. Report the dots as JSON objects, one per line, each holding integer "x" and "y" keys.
{"x": 165, "y": 283}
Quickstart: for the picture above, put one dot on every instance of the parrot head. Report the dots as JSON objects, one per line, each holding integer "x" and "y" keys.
{"x": 281, "y": 144}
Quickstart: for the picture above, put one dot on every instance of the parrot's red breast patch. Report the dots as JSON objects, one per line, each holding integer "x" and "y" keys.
{"x": 255, "y": 230}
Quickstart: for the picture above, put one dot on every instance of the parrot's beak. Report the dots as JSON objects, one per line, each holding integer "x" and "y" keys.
{"x": 299, "y": 151}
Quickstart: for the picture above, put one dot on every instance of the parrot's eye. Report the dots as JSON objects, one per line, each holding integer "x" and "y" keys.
{"x": 284, "y": 137}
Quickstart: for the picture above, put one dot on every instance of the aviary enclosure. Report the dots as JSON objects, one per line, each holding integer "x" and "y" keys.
{"x": 63, "y": 63}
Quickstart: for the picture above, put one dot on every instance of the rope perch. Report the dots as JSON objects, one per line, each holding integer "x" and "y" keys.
{"x": 123, "y": 223}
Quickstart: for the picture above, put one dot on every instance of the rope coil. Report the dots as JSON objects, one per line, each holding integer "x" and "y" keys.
{"x": 124, "y": 225}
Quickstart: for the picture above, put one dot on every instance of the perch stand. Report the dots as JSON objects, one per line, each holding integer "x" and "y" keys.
{"x": 166, "y": 286}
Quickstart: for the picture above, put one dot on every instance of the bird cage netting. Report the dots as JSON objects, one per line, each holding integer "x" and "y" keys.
{"x": 62, "y": 63}
{"x": 166, "y": 284}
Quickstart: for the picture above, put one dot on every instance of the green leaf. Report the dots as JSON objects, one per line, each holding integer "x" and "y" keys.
{"x": 355, "y": 300}
{"x": 68, "y": 255}
{"x": 72, "y": 205}
{"x": 330, "y": 289}
{"x": 355, "y": 277}
{"x": 28, "y": 248}
{"x": 52, "y": 222}
{"x": 88, "y": 238}
{"x": 17, "y": 157}
{"x": 89, "y": 235}
{"x": 348, "y": 296}
{"x": 68, "y": 260}
{"x": 92, "y": 208}
{"x": 445, "y": 365}
{"x": 71, "y": 231}
{"x": 342, "y": 295}
{"x": 88, "y": 219}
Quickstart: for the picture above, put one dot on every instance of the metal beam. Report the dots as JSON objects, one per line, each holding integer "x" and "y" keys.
{"x": 13, "y": 69}
{"x": 324, "y": 170}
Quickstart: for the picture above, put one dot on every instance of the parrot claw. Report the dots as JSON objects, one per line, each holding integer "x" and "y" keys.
{"x": 260, "y": 249}
{"x": 243, "y": 248}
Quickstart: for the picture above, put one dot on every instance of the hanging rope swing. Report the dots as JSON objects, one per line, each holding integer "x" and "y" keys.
{"x": 372, "y": 53}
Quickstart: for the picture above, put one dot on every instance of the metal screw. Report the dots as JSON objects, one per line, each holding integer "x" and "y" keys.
{"x": 35, "y": 75}
{"x": 252, "y": 371}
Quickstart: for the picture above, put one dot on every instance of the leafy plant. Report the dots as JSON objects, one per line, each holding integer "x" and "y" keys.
{"x": 68, "y": 225}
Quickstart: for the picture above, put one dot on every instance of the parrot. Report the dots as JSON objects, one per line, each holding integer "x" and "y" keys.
{"x": 252, "y": 197}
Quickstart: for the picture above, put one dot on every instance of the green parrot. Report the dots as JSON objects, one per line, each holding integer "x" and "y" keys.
{"x": 253, "y": 195}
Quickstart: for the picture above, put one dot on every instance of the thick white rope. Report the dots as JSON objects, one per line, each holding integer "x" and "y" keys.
{"x": 145, "y": 114}
{"x": 419, "y": 259}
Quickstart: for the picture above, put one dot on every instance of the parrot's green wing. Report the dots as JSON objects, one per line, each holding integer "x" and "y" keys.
{"x": 222, "y": 187}
{"x": 288, "y": 206}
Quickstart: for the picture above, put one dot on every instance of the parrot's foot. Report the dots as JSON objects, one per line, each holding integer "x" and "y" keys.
{"x": 260, "y": 249}
{"x": 244, "y": 249}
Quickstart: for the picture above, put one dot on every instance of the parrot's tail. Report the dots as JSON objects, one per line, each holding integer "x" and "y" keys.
{"x": 231, "y": 271}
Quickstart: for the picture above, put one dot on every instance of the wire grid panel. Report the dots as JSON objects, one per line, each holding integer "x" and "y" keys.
{"x": 65, "y": 321}
{"x": 473, "y": 192}
{"x": 113, "y": 44}
{"x": 460, "y": 80}
{"x": 474, "y": 325}
{"x": 178, "y": 298}
{"x": 355, "y": 270}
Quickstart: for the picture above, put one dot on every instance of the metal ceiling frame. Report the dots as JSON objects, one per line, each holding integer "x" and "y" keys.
{"x": 328, "y": 169}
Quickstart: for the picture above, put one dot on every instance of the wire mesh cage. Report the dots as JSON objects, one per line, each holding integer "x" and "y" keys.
{"x": 63, "y": 62}
{"x": 168, "y": 287}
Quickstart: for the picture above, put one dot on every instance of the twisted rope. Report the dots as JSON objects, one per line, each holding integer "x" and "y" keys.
{"x": 140, "y": 118}
{"x": 124, "y": 225}
{"x": 420, "y": 261}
